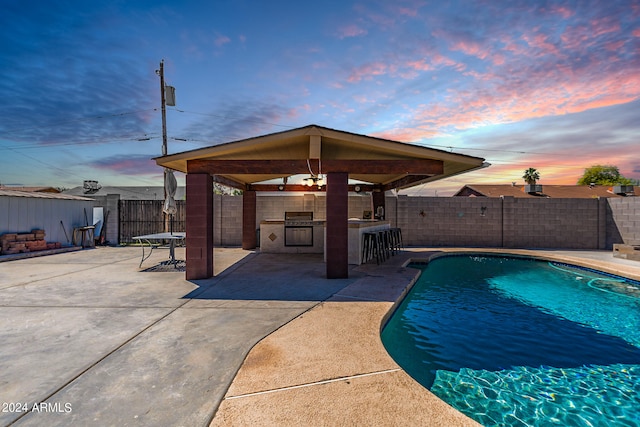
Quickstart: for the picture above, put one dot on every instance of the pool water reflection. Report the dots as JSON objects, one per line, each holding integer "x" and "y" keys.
{"x": 517, "y": 341}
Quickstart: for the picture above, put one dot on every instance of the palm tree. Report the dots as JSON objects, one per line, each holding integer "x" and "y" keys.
{"x": 530, "y": 176}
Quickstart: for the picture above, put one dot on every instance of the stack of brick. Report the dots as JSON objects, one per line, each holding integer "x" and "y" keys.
{"x": 13, "y": 243}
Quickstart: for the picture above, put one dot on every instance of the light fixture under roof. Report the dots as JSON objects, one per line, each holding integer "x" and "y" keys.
{"x": 314, "y": 180}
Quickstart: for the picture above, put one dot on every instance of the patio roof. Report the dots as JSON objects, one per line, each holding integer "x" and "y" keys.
{"x": 315, "y": 149}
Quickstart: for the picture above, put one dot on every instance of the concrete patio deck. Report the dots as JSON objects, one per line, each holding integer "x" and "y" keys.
{"x": 88, "y": 338}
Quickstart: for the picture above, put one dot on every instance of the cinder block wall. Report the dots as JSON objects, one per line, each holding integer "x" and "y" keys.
{"x": 464, "y": 221}
{"x": 450, "y": 221}
{"x": 227, "y": 220}
{"x": 623, "y": 221}
{"x": 551, "y": 223}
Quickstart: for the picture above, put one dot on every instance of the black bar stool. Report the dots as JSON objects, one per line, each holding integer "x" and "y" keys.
{"x": 397, "y": 238}
{"x": 372, "y": 245}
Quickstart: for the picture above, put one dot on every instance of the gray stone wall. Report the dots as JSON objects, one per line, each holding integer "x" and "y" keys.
{"x": 551, "y": 223}
{"x": 452, "y": 221}
{"x": 623, "y": 221}
{"x": 227, "y": 220}
{"x": 485, "y": 222}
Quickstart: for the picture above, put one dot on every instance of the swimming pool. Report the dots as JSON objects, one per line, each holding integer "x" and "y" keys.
{"x": 518, "y": 341}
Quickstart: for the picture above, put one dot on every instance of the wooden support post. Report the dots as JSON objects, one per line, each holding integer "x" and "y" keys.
{"x": 249, "y": 237}
{"x": 337, "y": 238}
{"x": 199, "y": 226}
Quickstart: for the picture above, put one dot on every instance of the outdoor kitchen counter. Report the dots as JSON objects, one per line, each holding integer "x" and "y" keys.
{"x": 272, "y": 237}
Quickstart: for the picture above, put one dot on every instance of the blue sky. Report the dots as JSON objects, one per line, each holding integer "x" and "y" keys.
{"x": 553, "y": 85}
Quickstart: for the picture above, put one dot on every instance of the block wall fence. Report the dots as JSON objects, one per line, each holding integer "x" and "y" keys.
{"x": 460, "y": 221}
{"x": 464, "y": 221}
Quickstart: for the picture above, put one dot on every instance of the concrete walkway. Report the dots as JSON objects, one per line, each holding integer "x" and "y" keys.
{"x": 88, "y": 338}
{"x": 101, "y": 342}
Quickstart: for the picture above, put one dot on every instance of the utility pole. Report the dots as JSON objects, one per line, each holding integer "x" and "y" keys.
{"x": 164, "y": 109}
{"x": 160, "y": 72}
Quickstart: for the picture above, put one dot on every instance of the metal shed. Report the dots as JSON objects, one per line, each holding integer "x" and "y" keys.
{"x": 56, "y": 214}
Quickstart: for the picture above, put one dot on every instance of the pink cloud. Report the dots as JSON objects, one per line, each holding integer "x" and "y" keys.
{"x": 581, "y": 37}
{"x": 498, "y": 59}
{"x": 137, "y": 165}
{"x": 529, "y": 93}
{"x": 367, "y": 71}
{"x": 420, "y": 65}
{"x": 604, "y": 25}
{"x": 362, "y": 99}
{"x": 406, "y": 134}
{"x": 636, "y": 32}
{"x": 221, "y": 40}
{"x": 442, "y": 60}
{"x": 470, "y": 48}
{"x": 576, "y": 38}
{"x": 563, "y": 11}
{"x": 408, "y": 11}
{"x": 296, "y": 112}
{"x": 384, "y": 21}
{"x": 615, "y": 45}
{"x": 351, "y": 31}
{"x": 542, "y": 44}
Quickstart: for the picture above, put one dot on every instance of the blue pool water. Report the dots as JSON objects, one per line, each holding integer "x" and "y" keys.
{"x": 516, "y": 341}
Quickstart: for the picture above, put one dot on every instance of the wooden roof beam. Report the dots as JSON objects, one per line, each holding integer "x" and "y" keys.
{"x": 406, "y": 181}
{"x": 304, "y": 188}
{"x": 292, "y": 167}
{"x": 229, "y": 182}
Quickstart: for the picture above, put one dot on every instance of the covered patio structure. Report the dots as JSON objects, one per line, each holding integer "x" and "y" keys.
{"x": 330, "y": 158}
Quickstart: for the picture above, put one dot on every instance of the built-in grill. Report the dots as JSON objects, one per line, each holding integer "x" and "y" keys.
{"x": 298, "y": 228}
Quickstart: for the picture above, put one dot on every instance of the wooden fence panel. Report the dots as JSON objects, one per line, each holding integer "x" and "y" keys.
{"x": 139, "y": 217}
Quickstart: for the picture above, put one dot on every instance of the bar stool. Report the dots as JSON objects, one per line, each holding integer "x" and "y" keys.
{"x": 381, "y": 245}
{"x": 387, "y": 243}
{"x": 367, "y": 244}
{"x": 372, "y": 245}
{"x": 397, "y": 238}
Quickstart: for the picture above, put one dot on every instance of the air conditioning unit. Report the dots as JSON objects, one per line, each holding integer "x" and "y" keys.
{"x": 622, "y": 189}
{"x": 91, "y": 186}
{"x": 536, "y": 188}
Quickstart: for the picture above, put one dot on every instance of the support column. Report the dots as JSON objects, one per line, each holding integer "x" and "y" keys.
{"x": 379, "y": 201}
{"x": 199, "y": 226}
{"x": 337, "y": 238}
{"x": 249, "y": 238}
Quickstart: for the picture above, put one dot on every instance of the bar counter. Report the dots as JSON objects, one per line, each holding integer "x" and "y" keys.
{"x": 272, "y": 237}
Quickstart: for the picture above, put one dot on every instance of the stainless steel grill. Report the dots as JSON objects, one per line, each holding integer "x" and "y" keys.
{"x": 298, "y": 217}
{"x": 298, "y": 228}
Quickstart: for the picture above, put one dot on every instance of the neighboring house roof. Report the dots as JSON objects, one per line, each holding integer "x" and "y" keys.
{"x": 551, "y": 191}
{"x": 38, "y": 195}
{"x": 30, "y": 189}
{"x": 128, "y": 193}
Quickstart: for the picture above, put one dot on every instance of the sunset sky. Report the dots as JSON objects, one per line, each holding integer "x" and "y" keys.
{"x": 553, "y": 85}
